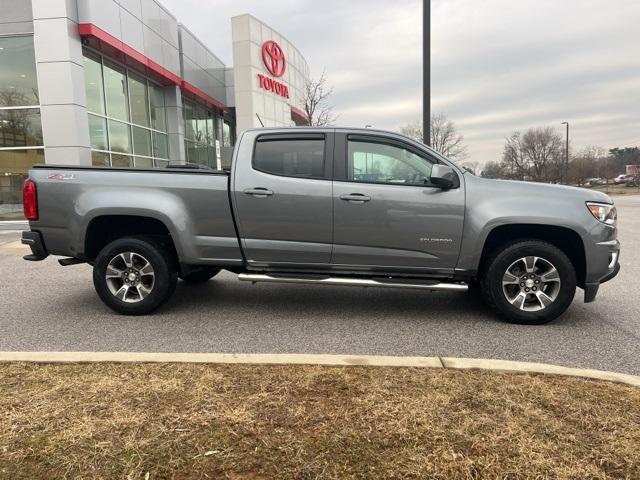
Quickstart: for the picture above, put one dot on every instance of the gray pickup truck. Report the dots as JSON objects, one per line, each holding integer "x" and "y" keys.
{"x": 330, "y": 206}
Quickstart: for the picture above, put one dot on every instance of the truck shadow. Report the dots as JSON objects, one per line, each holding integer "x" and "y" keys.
{"x": 227, "y": 296}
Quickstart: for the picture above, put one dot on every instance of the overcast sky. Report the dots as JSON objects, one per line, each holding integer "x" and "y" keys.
{"x": 497, "y": 65}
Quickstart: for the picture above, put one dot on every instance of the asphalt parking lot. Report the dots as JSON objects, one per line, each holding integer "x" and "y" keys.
{"x": 46, "y": 307}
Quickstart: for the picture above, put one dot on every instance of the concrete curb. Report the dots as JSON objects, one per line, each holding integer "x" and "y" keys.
{"x": 327, "y": 360}
{"x": 248, "y": 358}
{"x": 530, "y": 367}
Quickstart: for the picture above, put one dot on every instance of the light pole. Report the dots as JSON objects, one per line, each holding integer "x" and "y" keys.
{"x": 566, "y": 155}
{"x": 426, "y": 70}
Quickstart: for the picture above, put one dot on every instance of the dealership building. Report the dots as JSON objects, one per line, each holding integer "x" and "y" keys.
{"x": 124, "y": 83}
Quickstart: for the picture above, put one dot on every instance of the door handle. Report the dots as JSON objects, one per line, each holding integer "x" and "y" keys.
{"x": 258, "y": 192}
{"x": 355, "y": 198}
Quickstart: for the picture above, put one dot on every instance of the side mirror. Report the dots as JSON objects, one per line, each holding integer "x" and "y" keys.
{"x": 443, "y": 176}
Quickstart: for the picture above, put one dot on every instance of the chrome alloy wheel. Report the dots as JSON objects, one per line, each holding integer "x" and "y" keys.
{"x": 531, "y": 284}
{"x": 130, "y": 277}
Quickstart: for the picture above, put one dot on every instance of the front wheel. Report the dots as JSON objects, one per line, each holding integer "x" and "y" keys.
{"x": 134, "y": 276}
{"x": 529, "y": 282}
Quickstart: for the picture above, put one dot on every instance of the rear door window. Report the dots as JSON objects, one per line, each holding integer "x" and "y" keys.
{"x": 291, "y": 156}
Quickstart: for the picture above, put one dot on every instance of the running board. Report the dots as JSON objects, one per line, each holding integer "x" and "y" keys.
{"x": 354, "y": 282}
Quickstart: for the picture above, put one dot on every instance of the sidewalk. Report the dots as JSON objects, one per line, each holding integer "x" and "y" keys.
{"x": 14, "y": 225}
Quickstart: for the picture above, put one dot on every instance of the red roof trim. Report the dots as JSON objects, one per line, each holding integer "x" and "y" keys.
{"x": 91, "y": 30}
{"x": 201, "y": 95}
{"x": 298, "y": 116}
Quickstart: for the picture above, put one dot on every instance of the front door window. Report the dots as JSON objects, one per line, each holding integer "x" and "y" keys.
{"x": 373, "y": 162}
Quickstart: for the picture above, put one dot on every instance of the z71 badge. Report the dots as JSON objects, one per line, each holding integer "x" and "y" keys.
{"x": 61, "y": 176}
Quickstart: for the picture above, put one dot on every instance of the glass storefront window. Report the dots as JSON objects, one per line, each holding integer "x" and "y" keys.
{"x": 139, "y": 100}
{"x": 14, "y": 165}
{"x": 202, "y": 128}
{"x": 119, "y": 137}
{"x": 93, "y": 83}
{"x": 189, "y": 127}
{"x": 201, "y": 125}
{"x": 127, "y": 124}
{"x": 143, "y": 162}
{"x": 160, "y": 145}
{"x": 20, "y": 128}
{"x": 100, "y": 159}
{"x": 226, "y": 149}
{"x": 115, "y": 85}
{"x": 219, "y": 130}
{"x": 226, "y": 134}
{"x": 18, "y": 81}
{"x": 141, "y": 141}
{"x": 158, "y": 113}
{"x": 98, "y": 132}
{"x": 160, "y": 163}
{"x": 210, "y": 129}
{"x": 121, "y": 160}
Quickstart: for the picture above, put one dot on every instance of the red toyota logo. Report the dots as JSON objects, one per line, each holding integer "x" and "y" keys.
{"x": 273, "y": 58}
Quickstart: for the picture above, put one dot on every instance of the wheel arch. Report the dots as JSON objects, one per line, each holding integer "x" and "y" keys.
{"x": 566, "y": 239}
{"x": 103, "y": 229}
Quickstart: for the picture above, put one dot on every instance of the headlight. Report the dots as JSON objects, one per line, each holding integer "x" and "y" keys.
{"x": 603, "y": 212}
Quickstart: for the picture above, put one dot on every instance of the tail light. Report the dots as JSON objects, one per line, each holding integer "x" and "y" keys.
{"x": 30, "y": 200}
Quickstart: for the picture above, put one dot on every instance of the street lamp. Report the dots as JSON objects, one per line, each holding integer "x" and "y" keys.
{"x": 566, "y": 155}
{"x": 426, "y": 70}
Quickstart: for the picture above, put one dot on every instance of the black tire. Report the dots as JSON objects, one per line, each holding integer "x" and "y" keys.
{"x": 159, "y": 257}
{"x": 502, "y": 260}
{"x": 200, "y": 276}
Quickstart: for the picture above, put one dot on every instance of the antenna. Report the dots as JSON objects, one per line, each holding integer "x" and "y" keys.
{"x": 259, "y": 119}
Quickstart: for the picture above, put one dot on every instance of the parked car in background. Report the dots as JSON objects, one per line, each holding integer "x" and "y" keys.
{"x": 622, "y": 178}
{"x": 592, "y": 182}
{"x": 325, "y": 206}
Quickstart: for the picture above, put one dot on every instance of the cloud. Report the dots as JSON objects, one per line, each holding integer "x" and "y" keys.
{"x": 497, "y": 65}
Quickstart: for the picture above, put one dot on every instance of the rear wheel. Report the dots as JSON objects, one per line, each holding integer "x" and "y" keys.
{"x": 134, "y": 276}
{"x": 529, "y": 282}
{"x": 200, "y": 276}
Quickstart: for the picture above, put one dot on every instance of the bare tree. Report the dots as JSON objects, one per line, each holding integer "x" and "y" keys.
{"x": 472, "y": 165}
{"x": 494, "y": 170}
{"x": 537, "y": 154}
{"x": 316, "y": 102}
{"x": 444, "y": 136}
{"x": 587, "y": 164}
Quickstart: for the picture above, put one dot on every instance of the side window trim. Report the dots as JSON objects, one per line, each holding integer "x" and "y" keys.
{"x": 358, "y": 137}
{"x": 326, "y": 137}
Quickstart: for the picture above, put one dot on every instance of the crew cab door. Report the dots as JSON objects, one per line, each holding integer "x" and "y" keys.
{"x": 387, "y": 215}
{"x": 283, "y": 197}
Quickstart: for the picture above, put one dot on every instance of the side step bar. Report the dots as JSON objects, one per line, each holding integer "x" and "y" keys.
{"x": 355, "y": 282}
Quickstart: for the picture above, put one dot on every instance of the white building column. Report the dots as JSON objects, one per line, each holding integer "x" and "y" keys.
{"x": 59, "y": 66}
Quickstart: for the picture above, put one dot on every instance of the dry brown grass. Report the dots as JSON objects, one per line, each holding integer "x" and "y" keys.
{"x": 255, "y": 422}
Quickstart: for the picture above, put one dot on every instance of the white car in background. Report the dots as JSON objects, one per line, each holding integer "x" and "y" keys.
{"x": 622, "y": 178}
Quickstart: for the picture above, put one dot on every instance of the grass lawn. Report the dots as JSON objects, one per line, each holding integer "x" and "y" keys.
{"x": 616, "y": 189}
{"x": 11, "y": 216}
{"x": 137, "y": 421}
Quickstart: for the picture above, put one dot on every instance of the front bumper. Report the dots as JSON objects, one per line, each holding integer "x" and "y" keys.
{"x": 604, "y": 265}
{"x": 612, "y": 274}
{"x": 38, "y": 250}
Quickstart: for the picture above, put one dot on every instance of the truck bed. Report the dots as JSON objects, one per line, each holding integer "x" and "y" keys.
{"x": 192, "y": 204}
